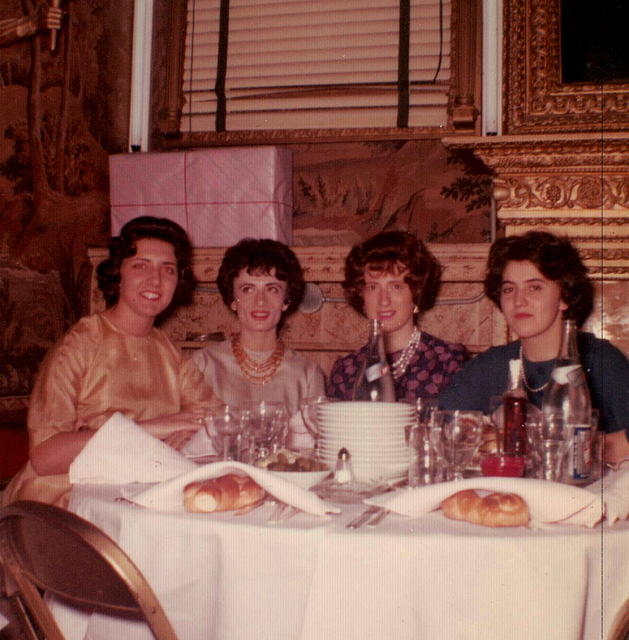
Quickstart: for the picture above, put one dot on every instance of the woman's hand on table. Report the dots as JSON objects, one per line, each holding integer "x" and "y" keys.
{"x": 178, "y": 439}
{"x": 177, "y": 428}
{"x": 616, "y": 447}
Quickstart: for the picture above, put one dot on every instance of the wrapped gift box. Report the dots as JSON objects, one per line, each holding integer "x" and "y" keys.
{"x": 219, "y": 196}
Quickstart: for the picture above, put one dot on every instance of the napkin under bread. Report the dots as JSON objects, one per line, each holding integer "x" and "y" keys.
{"x": 122, "y": 451}
{"x": 199, "y": 445}
{"x": 168, "y": 496}
{"x": 547, "y": 501}
{"x": 614, "y": 490}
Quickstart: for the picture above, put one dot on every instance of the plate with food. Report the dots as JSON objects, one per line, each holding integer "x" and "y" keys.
{"x": 302, "y": 470}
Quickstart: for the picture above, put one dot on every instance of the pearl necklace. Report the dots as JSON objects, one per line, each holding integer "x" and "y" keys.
{"x": 399, "y": 366}
{"x": 523, "y": 376}
{"x": 258, "y": 372}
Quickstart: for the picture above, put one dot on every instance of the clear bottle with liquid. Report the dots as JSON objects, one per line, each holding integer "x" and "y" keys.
{"x": 374, "y": 381}
{"x": 567, "y": 398}
{"x": 514, "y": 402}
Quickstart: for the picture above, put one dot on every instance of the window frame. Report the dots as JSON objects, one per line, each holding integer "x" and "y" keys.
{"x": 462, "y": 112}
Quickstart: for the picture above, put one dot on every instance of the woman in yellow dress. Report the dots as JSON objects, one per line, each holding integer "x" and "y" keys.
{"x": 116, "y": 360}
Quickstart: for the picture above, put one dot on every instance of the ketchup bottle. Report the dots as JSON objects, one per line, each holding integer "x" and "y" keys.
{"x": 514, "y": 402}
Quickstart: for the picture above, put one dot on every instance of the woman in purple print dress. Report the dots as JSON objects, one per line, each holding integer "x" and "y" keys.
{"x": 393, "y": 277}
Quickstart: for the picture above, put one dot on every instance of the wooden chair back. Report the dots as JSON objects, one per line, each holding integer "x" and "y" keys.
{"x": 45, "y": 548}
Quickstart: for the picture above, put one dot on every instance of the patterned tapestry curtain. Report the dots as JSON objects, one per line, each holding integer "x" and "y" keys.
{"x": 298, "y": 64}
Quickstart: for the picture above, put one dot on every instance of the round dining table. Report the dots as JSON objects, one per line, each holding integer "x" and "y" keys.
{"x": 220, "y": 576}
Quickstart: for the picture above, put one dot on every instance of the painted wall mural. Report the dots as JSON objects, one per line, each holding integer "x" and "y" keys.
{"x": 62, "y": 112}
{"x": 344, "y": 193}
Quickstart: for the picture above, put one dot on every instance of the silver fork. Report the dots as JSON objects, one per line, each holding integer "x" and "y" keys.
{"x": 379, "y": 517}
{"x": 281, "y": 513}
{"x": 360, "y": 520}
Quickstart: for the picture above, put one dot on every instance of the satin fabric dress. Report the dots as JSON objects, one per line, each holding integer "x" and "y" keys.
{"x": 94, "y": 371}
{"x": 296, "y": 379}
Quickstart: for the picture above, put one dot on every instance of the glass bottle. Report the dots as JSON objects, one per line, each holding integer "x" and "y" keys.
{"x": 567, "y": 398}
{"x": 514, "y": 402}
{"x": 374, "y": 381}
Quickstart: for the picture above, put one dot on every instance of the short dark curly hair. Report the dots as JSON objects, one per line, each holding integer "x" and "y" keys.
{"x": 261, "y": 257}
{"x": 556, "y": 258}
{"x": 124, "y": 246}
{"x": 385, "y": 252}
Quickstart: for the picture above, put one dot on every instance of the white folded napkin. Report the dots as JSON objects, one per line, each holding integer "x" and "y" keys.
{"x": 168, "y": 496}
{"x": 547, "y": 501}
{"x": 121, "y": 452}
{"x": 199, "y": 445}
{"x": 614, "y": 489}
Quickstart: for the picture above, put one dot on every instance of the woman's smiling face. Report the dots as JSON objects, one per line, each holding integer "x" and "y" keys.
{"x": 148, "y": 279}
{"x": 259, "y": 300}
{"x": 388, "y": 298}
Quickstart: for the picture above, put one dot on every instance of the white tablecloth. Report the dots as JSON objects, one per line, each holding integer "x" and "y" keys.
{"x": 223, "y": 577}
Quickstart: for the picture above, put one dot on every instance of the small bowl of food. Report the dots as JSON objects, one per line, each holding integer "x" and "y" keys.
{"x": 301, "y": 470}
{"x": 503, "y": 465}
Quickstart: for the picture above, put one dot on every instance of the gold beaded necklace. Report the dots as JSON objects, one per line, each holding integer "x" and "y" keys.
{"x": 258, "y": 372}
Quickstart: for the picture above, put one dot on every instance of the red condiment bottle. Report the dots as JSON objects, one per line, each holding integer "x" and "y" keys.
{"x": 514, "y": 406}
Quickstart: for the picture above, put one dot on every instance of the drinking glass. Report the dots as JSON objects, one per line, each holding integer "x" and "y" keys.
{"x": 225, "y": 430}
{"x": 426, "y": 461}
{"x": 549, "y": 440}
{"x": 496, "y": 420}
{"x": 267, "y": 428}
{"x": 461, "y": 433}
{"x": 425, "y": 408}
{"x": 308, "y": 409}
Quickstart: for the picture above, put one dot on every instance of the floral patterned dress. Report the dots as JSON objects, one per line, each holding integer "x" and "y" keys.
{"x": 429, "y": 370}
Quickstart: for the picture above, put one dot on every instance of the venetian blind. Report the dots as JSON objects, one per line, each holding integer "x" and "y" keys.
{"x": 302, "y": 64}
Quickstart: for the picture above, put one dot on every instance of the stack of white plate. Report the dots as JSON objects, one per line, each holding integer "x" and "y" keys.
{"x": 372, "y": 432}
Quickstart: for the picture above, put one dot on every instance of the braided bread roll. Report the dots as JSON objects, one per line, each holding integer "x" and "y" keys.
{"x": 494, "y": 510}
{"x": 224, "y": 493}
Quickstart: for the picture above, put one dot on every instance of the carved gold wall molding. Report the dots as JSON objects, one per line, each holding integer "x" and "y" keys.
{"x": 595, "y": 153}
{"x": 563, "y": 192}
{"x": 536, "y": 100}
{"x": 576, "y": 185}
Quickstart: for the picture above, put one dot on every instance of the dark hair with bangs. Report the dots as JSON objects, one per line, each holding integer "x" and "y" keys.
{"x": 124, "y": 246}
{"x": 556, "y": 258}
{"x": 387, "y": 252}
{"x": 261, "y": 257}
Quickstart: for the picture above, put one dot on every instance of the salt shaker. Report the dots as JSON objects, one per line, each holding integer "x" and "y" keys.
{"x": 343, "y": 469}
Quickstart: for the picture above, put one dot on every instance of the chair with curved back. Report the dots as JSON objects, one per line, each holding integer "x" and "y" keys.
{"x": 45, "y": 548}
{"x": 620, "y": 626}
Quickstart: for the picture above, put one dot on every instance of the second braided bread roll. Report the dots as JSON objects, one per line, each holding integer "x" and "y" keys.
{"x": 494, "y": 510}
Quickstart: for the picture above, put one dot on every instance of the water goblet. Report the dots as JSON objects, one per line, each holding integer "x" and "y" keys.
{"x": 461, "y": 433}
{"x": 225, "y": 429}
{"x": 267, "y": 427}
{"x": 308, "y": 409}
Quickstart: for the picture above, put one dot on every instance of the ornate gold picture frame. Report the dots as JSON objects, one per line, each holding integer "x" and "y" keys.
{"x": 536, "y": 100}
